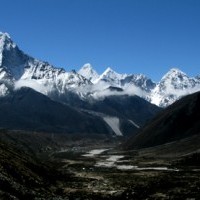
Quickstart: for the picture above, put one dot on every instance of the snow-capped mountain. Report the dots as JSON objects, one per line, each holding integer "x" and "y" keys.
{"x": 111, "y": 77}
{"x": 140, "y": 80}
{"x": 18, "y": 69}
{"x": 172, "y": 86}
{"x": 88, "y": 72}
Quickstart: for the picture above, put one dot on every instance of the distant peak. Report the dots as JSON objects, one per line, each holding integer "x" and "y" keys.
{"x": 6, "y": 41}
{"x": 4, "y": 35}
{"x": 87, "y": 66}
{"x": 88, "y": 72}
{"x": 111, "y": 72}
{"x": 108, "y": 70}
{"x": 174, "y": 72}
{"x": 87, "y": 69}
{"x": 111, "y": 75}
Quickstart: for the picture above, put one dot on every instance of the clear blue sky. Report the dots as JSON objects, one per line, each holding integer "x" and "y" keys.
{"x": 131, "y": 36}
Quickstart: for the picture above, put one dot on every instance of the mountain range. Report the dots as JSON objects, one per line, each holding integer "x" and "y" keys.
{"x": 17, "y": 69}
{"x": 36, "y": 96}
{"x": 119, "y": 103}
{"x": 84, "y": 110}
{"x": 173, "y": 85}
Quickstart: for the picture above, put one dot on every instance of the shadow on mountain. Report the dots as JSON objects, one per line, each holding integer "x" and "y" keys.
{"x": 26, "y": 109}
{"x": 178, "y": 121}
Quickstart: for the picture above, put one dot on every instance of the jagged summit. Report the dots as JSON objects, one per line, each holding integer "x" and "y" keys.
{"x": 4, "y": 34}
{"x": 12, "y": 59}
{"x": 6, "y": 42}
{"x": 109, "y": 70}
{"x": 87, "y": 66}
{"x": 175, "y": 78}
{"x": 88, "y": 72}
{"x": 174, "y": 72}
{"x": 173, "y": 85}
{"x": 109, "y": 75}
{"x": 5, "y": 37}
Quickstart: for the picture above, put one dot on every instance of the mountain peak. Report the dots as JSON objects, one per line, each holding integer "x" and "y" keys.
{"x": 12, "y": 59}
{"x": 173, "y": 85}
{"x": 87, "y": 66}
{"x": 108, "y": 70}
{"x": 6, "y": 42}
{"x": 5, "y": 35}
{"x": 88, "y": 72}
{"x": 110, "y": 73}
{"x": 110, "y": 77}
{"x": 174, "y": 72}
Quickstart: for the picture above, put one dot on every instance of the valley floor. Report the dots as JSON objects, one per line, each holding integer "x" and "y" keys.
{"x": 94, "y": 169}
{"x": 111, "y": 174}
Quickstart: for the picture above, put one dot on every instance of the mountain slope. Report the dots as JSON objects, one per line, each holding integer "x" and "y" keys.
{"x": 178, "y": 121}
{"x": 23, "y": 173}
{"x": 21, "y": 176}
{"x": 27, "y": 109}
{"x": 127, "y": 107}
{"x": 132, "y": 112}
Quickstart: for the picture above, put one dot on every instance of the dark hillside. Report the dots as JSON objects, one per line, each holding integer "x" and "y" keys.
{"x": 178, "y": 121}
{"x": 23, "y": 176}
{"x": 26, "y": 109}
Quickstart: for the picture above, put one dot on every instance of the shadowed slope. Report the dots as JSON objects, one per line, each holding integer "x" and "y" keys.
{"x": 178, "y": 121}
{"x": 27, "y": 109}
